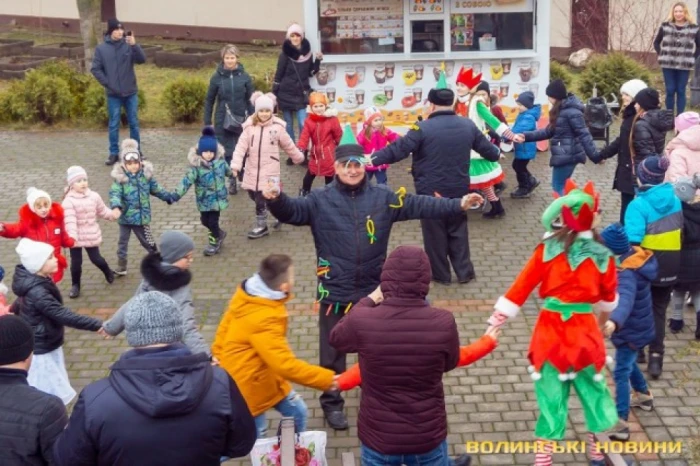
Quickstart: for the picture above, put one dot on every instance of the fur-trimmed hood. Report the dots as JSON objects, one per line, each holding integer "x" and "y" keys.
{"x": 163, "y": 276}
{"x": 298, "y": 55}
{"x": 34, "y": 221}
{"x": 195, "y": 160}
{"x": 119, "y": 172}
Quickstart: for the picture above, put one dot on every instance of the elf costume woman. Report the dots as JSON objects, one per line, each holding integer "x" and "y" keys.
{"x": 575, "y": 272}
{"x": 473, "y": 96}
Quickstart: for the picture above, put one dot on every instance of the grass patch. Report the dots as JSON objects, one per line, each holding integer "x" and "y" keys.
{"x": 257, "y": 60}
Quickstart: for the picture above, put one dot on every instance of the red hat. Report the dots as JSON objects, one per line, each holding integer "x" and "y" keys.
{"x": 468, "y": 78}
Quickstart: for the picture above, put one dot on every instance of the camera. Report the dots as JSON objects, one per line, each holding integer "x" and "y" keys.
{"x": 129, "y": 33}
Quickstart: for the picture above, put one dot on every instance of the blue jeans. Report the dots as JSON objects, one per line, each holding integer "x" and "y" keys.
{"x": 676, "y": 82}
{"x": 292, "y": 406}
{"x": 627, "y": 371}
{"x": 436, "y": 457}
{"x": 288, "y": 116}
{"x": 560, "y": 175}
{"x": 114, "y": 108}
{"x": 380, "y": 174}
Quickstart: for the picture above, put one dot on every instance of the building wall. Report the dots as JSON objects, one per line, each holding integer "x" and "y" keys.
{"x": 66, "y": 9}
{"x": 560, "y": 30}
{"x": 264, "y": 15}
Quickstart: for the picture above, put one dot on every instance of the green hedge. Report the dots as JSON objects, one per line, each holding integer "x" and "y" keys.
{"x": 608, "y": 73}
{"x": 184, "y": 99}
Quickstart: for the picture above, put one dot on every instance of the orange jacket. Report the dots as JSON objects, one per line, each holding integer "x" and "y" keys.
{"x": 251, "y": 345}
{"x": 467, "y": 355}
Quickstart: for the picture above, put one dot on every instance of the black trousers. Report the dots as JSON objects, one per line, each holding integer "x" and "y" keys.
{"x": 260, "y": 205}
{"x": 660, "y": 298}
{"x": 328, "y": 356}
{"x": 521, "y": 172}
{"x": 76, "y": 262}
{"x": 448, "y": 239}
{"x": 625, "y": 200}
{"x": 210, "y": 219}
{"x": 309, "y": 180}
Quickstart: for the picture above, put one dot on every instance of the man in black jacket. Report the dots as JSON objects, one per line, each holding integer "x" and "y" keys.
{"x": 441, "y": 148}
{"x": 30, "y": 420}
{"x": 113, "y": 67}
{"x": 351, "y": 221}
{"x": 161, "y": 404}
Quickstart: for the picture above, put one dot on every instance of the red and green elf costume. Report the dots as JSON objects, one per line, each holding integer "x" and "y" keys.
{"x": 482, "y": 173}
{"x": 567, "y": 347}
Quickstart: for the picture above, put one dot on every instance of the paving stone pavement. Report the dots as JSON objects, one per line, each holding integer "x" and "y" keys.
{"x": 491, "y": 400}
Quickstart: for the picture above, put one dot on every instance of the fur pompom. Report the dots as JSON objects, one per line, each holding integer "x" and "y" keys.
{"x": 530, "y": 369}
{"x": 536, "y": 376}
{"x": 608, "y": 360}
{"x": 563, "y": 377}
{"x": 130, "y": 145}
{"x": 209, "y": 131}
{"x": 255, "y": 96}
{"x": 598, "y": 377}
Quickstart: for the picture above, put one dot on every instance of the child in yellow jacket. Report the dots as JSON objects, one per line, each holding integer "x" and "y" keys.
{"x": 251, "y": 345}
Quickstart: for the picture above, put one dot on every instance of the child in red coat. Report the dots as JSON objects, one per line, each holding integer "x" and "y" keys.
{"x": 41, "y": 220}
{"x": 373, "y": 137}
{"x": 322, "y": 129}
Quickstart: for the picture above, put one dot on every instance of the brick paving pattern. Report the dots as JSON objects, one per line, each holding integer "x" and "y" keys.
{"x": 491, "y": 400}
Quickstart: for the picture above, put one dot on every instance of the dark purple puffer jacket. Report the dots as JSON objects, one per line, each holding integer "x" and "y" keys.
{"x": 404, "y": 346}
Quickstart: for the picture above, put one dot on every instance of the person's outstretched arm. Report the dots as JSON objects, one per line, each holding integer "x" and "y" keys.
{"x": 400, "y": 149}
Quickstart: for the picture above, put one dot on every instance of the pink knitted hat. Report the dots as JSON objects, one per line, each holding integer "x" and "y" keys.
{"x": 295, "y": 29}
{"x": 686, "y": 120}
{"x": 263, "y": 101}
{"x": 371, "y": 114}
{"x": 75, "y": 173}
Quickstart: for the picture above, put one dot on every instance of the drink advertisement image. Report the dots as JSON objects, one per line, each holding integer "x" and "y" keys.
{"x": 400, "y": 90}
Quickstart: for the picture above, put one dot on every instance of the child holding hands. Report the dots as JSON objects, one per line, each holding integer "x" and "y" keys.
{"x": 82, "y": 207}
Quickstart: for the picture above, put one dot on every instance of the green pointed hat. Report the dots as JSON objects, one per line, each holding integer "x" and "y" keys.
{"x": 348, "y": 146}
{"x": 441, "y": 94}
{"x": 442, "y": 81}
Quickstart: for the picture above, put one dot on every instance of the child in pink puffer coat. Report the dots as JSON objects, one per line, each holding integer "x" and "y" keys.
{"x": 373, "y": 137}
{"x": 81, "y": 208}
{"x": 257, "y": 153}
{"x": 683, "y": 151}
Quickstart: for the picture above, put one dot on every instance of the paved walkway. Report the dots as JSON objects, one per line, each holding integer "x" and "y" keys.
{"x": 491, "y": 400}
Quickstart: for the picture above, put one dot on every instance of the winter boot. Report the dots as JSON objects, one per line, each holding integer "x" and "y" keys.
{"x": 277, "y": 226}
{"x": 620, "y": 432}
{"x": 260, "y": 229}
{"x": 290, "y": 162}
{"x": 644, "y": 401}
{"x": 532, "y": 183}
{"x": 521, "y": 193}
{"x": 675, "y": 325}
{"x": 233, "y": 186}
{"x": 120, "y": 271}
{"x": 496, "y": 211}
{"x": 656, "y": 365}
{"x": 214, "y": 246}
{"x": 74, "y": 291}
{"x": 109, "y": 276}
{"x": 111, "y": 160}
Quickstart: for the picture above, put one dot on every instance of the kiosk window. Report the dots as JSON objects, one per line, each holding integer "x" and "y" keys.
{"x": 427, "y": 36}
{"x": 491, "y": 31}
{"x": 361, "y": 26}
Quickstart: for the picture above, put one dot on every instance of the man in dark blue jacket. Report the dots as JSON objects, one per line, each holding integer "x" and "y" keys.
{"x": 160, "y": 404}
{"x": 441, "y": 148}
{"x": 113, "y": 67}
{"x": 351, "y": 221}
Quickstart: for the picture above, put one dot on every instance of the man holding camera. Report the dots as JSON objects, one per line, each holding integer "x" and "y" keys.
{"x": 113, "y": 67}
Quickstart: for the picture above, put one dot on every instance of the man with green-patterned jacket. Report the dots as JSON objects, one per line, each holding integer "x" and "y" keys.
{"x": 130, "y": 193}
{"x": 208, "y": 172}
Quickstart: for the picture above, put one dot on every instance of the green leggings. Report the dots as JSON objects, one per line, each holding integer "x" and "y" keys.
{"x": 553, "y": 401}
